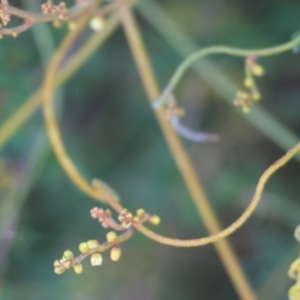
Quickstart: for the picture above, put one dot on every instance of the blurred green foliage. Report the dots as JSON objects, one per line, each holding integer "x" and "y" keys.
{"x": 110, "y": 131}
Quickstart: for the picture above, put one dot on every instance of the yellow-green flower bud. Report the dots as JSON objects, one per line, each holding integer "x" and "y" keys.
{"x": 62, "y": 5}
{"x": 249, "y": 82}
{"x": 68, "y": 255}
{"x": 57, "y": 263}
{"x": 256, "y": 96}
{"x": 136, "y": 219}
{"x": 96, "y": 259}
{"x": 258, "y": 70}
{"x": 246, "y": 109}
{"x": 59, "y": 270}
{"x": 297, "y": 233}
{"x": 83, "y": 247}
{"x": 294, "y": 269}
{"x": 92, "y": 244}
{"x": 111, "y": 236}
{"x": 140, "y": 212}
{"x": 115, "y": 253}
{"x": 78, "y": 268}
{"x": 294, "y": 292}
{"x": 72, "y": 25}
{"x": 155, "y": 220}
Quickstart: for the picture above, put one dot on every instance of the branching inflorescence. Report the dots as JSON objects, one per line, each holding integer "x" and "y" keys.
{"x": 94, "y": 13}
{"x": 57, "y": 14}
{"x": 93, "y": 248}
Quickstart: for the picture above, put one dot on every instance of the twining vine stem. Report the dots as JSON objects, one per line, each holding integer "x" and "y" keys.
{"x": 105, "y": 196}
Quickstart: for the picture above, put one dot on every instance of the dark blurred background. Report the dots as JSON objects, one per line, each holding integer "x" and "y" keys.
{"x": 111, "y": 133}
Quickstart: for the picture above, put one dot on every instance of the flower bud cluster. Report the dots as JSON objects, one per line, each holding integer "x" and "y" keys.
{"x": 85, "y": 247}
{"x": 115, "y": 252}
{"x": 127, "y": 218}
{"x": 60, "y": 10}
{"x": 294, "y": 272}
{"x": 105, "y": 218}
{"x": 246, "y": 99}
{"x": 60, "y": 266}
{"x": 93, "y": 248}
{"x": 48, "y": 7}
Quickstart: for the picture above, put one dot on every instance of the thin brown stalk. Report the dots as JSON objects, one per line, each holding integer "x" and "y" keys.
{"x": 223, "y": 247}
{"x": 53, "y": 130}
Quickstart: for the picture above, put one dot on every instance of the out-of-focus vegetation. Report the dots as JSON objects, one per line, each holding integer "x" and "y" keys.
{"x": 111, "y": 132}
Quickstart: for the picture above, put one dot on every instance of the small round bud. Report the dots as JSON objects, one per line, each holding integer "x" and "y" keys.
{"x": 257, "y": 70}
{"x": 97, "y": 24}
{"x": 246, "y": 109}
{"x": 140, "y": 212}
{"x": 78, "y": 268}
{"x": 59, "y": 270}
{"x": 72, "y": 25}
{"x": 294, "y": 270}
{"x": 68, "y": 255}
{"x": 111, "y": 236}
{"x": 92, "y": 244}
{"x": 83, "y": 247}
{"x": 154, "y": 220}
{"x": 294, "y": 292}
{"x": 297, "y": 233}
{"x": 125, "y": 217}
{"x": 136, "y": 219}
{"x": 57, "y": 263}
{"x": 96, "y": 259}
{"x": 256, "y": 96}
{"x": 249, "y": 82}
{"x": 115, "y": 253}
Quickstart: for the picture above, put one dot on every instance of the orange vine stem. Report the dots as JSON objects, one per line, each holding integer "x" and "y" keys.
{"x": 240, "y": 221}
